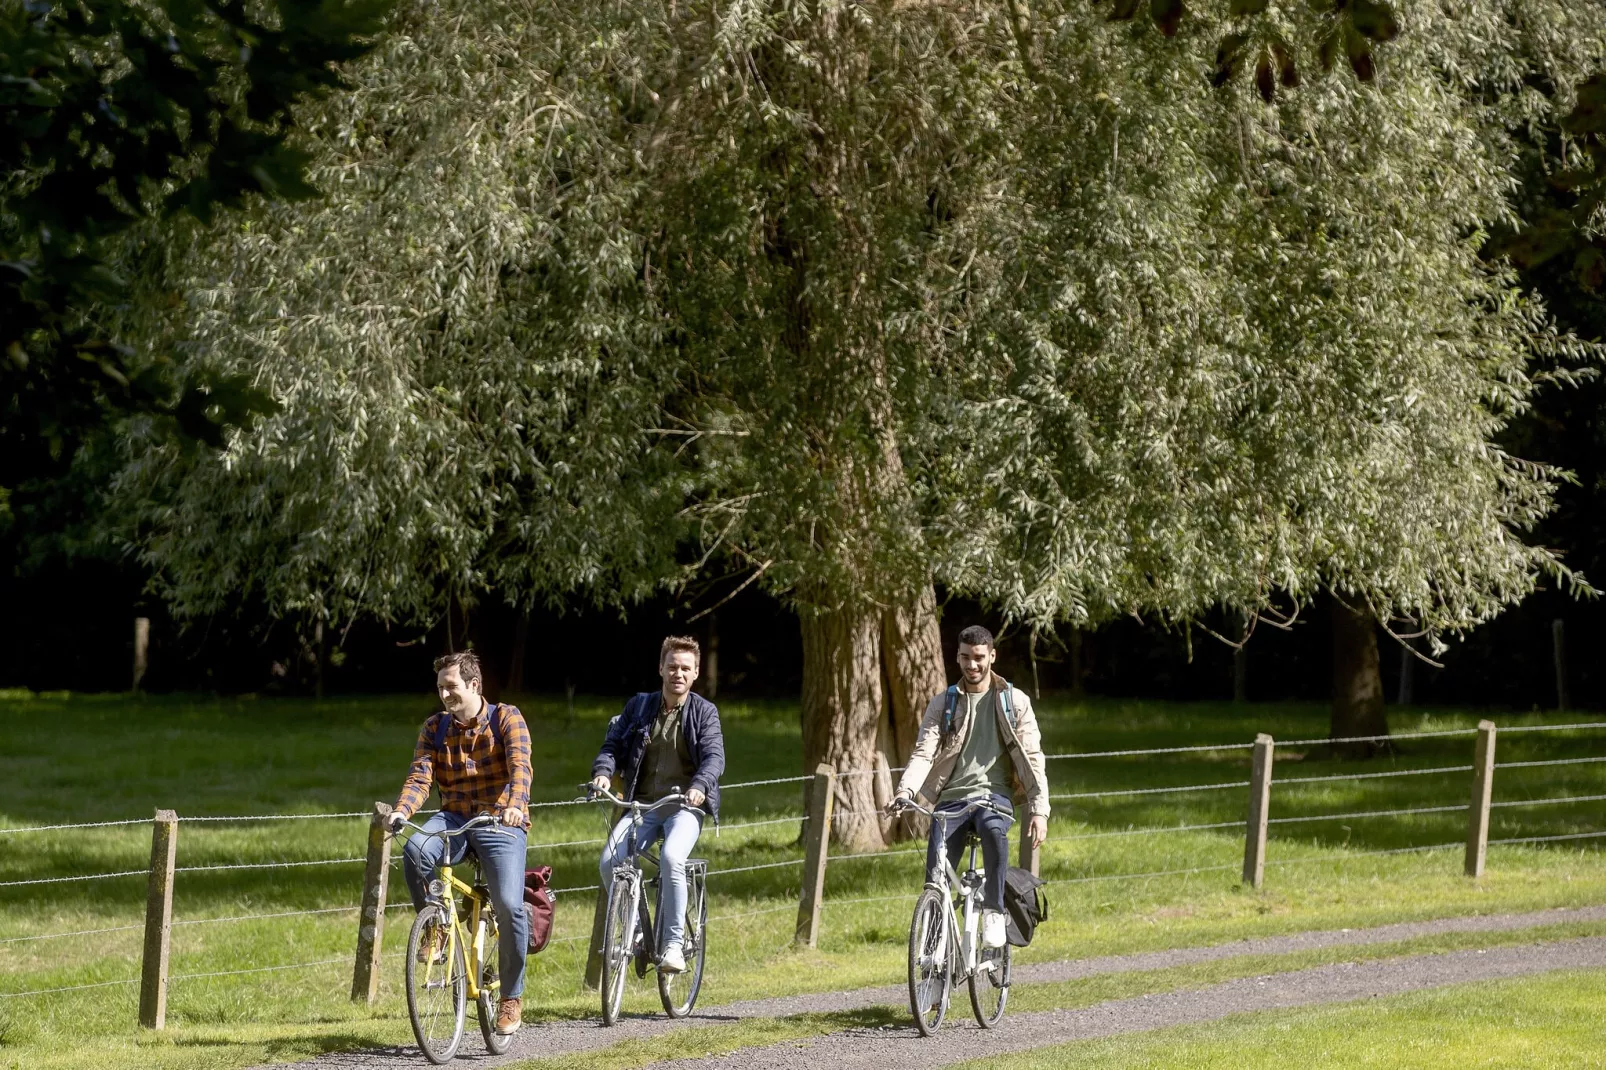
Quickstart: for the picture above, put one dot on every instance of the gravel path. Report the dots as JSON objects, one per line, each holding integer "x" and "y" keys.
{"x": 901, "y": 1048}
{"x": 556, "y": 1038}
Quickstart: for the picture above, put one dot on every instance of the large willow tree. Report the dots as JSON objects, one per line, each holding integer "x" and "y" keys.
{"x": 856, "y": 298}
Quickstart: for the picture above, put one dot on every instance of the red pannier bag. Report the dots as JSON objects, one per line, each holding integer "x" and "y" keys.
{"x": 538, "y": 902}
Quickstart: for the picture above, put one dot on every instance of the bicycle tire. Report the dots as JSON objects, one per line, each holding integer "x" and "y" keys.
{"x": 989, "y": 990}
{"x": 435, "y": 1003}
{"x": 490, "y": 985}
{"x": 678, "y": 991}
{"x": 931, "y": 961}
{"x": 617, "y": 938}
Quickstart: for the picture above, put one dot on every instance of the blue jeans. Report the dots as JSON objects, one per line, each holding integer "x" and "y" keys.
{"x": 994, "y": 832}
{"x": 679, "y": 829}
{"x": 501, "y": 851}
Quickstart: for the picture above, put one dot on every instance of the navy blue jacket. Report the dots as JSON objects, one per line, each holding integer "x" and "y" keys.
{"x": 626, "y": 744}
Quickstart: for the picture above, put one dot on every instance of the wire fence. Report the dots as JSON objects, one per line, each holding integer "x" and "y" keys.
{"x": 802, "y": 819}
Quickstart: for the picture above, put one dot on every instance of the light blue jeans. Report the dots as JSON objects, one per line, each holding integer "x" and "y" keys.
{"x": 679, "y": 829}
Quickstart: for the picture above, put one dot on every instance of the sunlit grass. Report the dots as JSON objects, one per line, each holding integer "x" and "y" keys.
{"x": 115, "y": 757}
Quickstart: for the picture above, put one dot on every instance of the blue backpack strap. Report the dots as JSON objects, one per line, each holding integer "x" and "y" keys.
{"x": 1008, "y": 703}
{"x": 950, "y": 703}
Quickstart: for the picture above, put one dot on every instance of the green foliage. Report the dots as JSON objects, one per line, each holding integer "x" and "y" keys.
{"x": 111, "y": 112}
{"x": 844, "y": 298}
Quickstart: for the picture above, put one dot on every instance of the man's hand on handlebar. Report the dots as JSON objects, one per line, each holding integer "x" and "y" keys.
{"x": 695, "y": 797}
{"x": 513, "y": 816}
{"x": 394, "y": 822}
{"x": 900, "y": 801}
{"x": 600, "y": 783}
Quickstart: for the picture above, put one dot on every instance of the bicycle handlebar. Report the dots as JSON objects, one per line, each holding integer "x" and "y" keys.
{"x": 596, "y": 794}
{"x": 900, "y": 804}
{"x": 477, "y": 822}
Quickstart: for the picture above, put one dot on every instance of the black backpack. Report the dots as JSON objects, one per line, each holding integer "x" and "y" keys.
{"x": 1025, "y": 904}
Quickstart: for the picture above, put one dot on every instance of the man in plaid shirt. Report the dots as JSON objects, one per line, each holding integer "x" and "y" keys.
{"x": 478, "y": 754}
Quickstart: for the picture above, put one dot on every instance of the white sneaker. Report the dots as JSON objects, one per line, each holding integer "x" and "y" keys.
{"x": 994, "y": 930}
{"x": 672, "y": 960}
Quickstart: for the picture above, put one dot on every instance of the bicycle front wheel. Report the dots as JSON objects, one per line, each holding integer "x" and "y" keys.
{"x": 437, "y": 988}
{"x": 989, "y": 986}
{"x": 616, "y": 948}
{"x": 678, "y": 991}
{"x": 931, "y": 959}
{"x": 490, "y": 938}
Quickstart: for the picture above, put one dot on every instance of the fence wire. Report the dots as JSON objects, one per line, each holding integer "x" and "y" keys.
{"x": 82, "y": 877}
{"x": 1371, "y": 776}
{"x": 1553, "y": 761}
{"x": 1154, "y": 791}
{"x": 78, "y": 825}
{"x": 69, "y": 988}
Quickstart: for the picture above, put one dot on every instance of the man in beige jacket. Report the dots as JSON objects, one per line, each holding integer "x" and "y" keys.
{"x": 979, "y": 742}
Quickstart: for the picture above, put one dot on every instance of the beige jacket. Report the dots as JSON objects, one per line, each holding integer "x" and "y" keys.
{"x": 934, "y": 758}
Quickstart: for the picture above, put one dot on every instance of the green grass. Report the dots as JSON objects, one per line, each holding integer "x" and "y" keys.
{"x": 70, "y": 758}
{"x": 1541, "y": 1023}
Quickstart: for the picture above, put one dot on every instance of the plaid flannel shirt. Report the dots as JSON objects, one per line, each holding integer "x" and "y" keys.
{"x": 473, "y": 774}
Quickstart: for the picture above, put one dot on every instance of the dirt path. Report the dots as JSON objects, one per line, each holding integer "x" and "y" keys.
{"x": 880, "y": 1048}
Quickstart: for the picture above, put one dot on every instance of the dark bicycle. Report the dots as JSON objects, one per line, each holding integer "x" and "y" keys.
{"x": 630, "y": 935}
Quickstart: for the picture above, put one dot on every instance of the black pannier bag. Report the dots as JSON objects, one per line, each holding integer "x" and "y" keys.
{"x": 1025, "y": 904}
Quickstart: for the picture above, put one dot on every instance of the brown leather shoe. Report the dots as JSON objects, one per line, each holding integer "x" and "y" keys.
{"x": 509, "y": 1015}
{"x": 432, "y": 949}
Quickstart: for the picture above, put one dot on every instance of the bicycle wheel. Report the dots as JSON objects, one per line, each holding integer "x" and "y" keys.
{"x": 989, "y": 989}
{"x": 437, "y": 989}
{"x": 490, "y": 983}
{"x": 678, "y": 991}
{"x": 931, "y": 959}
{"x": 617, "y": 938}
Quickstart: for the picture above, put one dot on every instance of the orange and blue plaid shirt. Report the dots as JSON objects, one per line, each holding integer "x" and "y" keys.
{"x": 474, "y": 775}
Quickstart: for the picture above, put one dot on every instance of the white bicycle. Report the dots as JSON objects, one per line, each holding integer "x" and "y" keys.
{"x": 945, "y": 938}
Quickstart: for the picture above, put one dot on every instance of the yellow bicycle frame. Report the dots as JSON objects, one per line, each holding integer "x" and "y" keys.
{"x": 474, "y": 950}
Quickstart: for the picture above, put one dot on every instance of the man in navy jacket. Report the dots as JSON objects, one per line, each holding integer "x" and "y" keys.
{"x": 665, "y": 741}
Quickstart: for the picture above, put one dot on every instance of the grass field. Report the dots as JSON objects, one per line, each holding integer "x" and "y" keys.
{"x": 74, "y": 759}
{"x": 1545, "y": 1023}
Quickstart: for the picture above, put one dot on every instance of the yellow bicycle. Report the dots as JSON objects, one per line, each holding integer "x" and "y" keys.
{"x": 451, "y": 957}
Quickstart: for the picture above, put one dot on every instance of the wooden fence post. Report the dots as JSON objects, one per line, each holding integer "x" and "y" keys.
{"x": 599, "y": 922}
{"x": 1030, "y": 854}
{"x": 1482, "y": 790}
{"x": 1259, "y": 811}
{"x": 158, "y": 921}
{"x": 817, "y": 841}
{"x": 371, "y": 919}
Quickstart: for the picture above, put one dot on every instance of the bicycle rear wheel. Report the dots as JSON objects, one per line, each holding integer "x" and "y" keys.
{"x": 678, "y": 991}
{"x": 989, "y": 988}
{"x": 931, "y": 960}
{"x": 616, "y": 940}
{"x": 437, "y": 989}
{"x": 490, "y": 983}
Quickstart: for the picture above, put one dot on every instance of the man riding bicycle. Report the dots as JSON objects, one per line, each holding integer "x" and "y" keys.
{"x": 972, "y": 738}
{"x": 665, "y": 741}
{"x": 478, "y": 754}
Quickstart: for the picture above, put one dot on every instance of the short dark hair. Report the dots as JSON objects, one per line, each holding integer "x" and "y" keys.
{"x": 676, "y": 643}
{"x": 975, "y": 635}
{"x": 467, "y": 664}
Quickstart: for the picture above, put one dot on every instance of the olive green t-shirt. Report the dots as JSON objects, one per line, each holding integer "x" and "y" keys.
{"x": 983, "y": 767}
{"x": 667, "y": 763}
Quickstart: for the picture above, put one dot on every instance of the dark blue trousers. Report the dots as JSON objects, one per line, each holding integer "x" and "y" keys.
{"x": 994, "y": 832}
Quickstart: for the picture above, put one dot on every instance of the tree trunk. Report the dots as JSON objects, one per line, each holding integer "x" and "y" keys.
{"x": 1357, "y": 682}
{"x": 842, "y": 715}
{"x": 515, "y": 668}
{"x": 911, "y": 652}
{"x": 710, "y": 673}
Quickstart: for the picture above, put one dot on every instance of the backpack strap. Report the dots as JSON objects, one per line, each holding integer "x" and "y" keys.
{"x": 950, "y": 704}
{"x": 1008, "y": 703}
